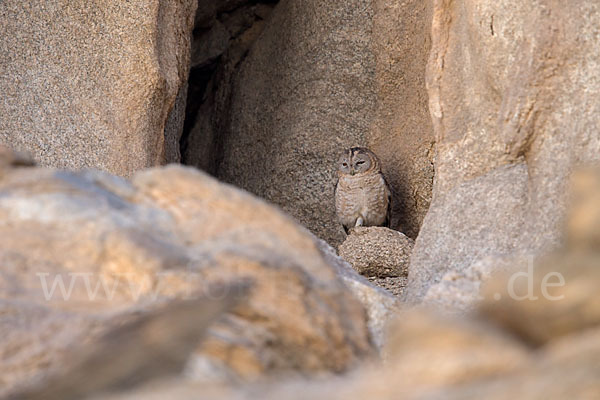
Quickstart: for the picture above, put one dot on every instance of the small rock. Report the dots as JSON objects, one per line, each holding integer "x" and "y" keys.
{"x": 377, "y": 252}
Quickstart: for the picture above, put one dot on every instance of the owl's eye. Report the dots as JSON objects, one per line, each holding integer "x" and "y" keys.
{"x": 344, "y": 165}
{"x": 360, "y": 162}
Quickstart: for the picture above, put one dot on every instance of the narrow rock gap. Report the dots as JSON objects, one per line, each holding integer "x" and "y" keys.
{"x": 223, "y": 34}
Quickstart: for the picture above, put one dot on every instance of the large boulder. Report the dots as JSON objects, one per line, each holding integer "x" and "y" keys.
{"x": 95, "y": 85}
{"x": 488, "y": 354}
{"x": 81, "y": 249}
{"x": 513, "y": 96}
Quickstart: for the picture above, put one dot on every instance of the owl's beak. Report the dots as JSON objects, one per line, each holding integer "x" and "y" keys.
{"x": 352, "y": 172}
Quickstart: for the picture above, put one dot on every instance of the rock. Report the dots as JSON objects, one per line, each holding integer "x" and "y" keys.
{"x": 96, "y": 87}
{"x": 381, "y": 306}
{"x": 512, "y": 97}
{"x": 153, "y": 345}
{"x": 433, "y": 356}
{"x": 81, "y": 249}
{"x": 211, "y": 45}
{"x": 224, "y": 33}
{"x": 298, "y": 106}
{"x": 567, "y": 370}
{"x": 429, "y": 350}
{"x": 401, "y": 132}
{"x": 305, "y": 83}
{"x": 377, "y": 251}
{"x": 460, "y": 291}
{"x": 427, "y": 353}
{"x": 583, "y": 223}
{"x": 462, "y": 227}
{"x": 551, "y": 297}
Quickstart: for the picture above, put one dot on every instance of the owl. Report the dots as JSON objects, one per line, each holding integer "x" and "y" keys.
{"x": 362, "y": 196}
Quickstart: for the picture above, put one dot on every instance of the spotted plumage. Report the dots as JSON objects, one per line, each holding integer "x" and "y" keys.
{"x": 362, "y": 196}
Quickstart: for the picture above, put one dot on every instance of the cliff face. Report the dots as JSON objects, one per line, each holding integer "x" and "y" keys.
{"x": 513, "y": 99}
{"x": 93, "y": 85}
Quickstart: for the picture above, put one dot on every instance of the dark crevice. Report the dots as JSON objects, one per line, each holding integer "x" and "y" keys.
{"x": 198, "y": 81}
{"x": 220, "y": 45}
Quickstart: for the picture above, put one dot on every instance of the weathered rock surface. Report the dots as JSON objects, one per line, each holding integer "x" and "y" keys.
{"x": 377, "y": 251}
{"x": 429, "y": 356}
{"x": 401, "y": 132}
{"x": 303, "y": 83}
{"x": 512, "y": 93}
{"x": 303, "y": 94}
{"x": 451, "y": 240}
{"x": 380, "y": 304}
{"x": 97, "y": 87}
{"x": 583, "y": 225}
{"x": 155, "y": 344}
{"x": 119, "y": 246}
{"x": 553, "y": 297}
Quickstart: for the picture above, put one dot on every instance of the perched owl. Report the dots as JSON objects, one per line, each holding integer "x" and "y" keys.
{"x": 362, "y": 196}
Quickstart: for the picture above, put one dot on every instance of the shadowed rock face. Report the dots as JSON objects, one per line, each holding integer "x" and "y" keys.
{"x": 292, "y": 88}
{"x": 96, "y": 87}
{"x": 121, "y": 247}
{"x": 513, "y": 98}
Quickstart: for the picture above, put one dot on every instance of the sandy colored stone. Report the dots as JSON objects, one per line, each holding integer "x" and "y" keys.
{"x": 453, "y": 241}
{"x": 401, "y": 133}
{"x": 567, "y": 369}
{"x": 583, "y": 223}
{"x": 511, "y": 87}
{"x": 381, "y": 305}
{"x": 549, "y": 297}
{"x": 155, "y": 344}
{"x": 120, "y": 246}
{"x": 97, "y": 86}
{"x": 377, "y": 251}
{"x": 303, "y": 94}
{"x": 426, "y": 354}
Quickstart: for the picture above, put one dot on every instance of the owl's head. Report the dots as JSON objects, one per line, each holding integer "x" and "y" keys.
{"x": 358, "y": 160}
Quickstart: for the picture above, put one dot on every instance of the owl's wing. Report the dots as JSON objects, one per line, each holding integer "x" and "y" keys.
{"x": 346, "y": 229}
{"x": 388, "y": 215}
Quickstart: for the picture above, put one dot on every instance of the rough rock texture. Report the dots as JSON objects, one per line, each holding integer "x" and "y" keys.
{"x": 294, "y": 87}
{"x": 380, "y": 304}
{"x": 401, "y": 132}
{"x": 512, "y": 90}
{"x": 460, "y": 291}
{"x": 119, "y": 246}
{"x": 452, "y": 242}
{"x": 553, "y": 297}
{"x": 432, "y": 357}
{"x": 96, "y": 87}
{"x": 223, "y": 34}
{"x": 303, "y": 94}
{"x": 547, "y": 348}
{"x": 583, "y": 225}
{"x": 377, "y": 251}
{"x": 153, "y": 344}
